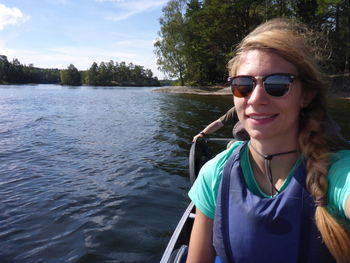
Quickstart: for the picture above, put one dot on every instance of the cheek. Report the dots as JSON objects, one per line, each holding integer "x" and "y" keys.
{"x": 298, "y": 103}
{"x": 292, "y": 107}
{"x": 239, "y": 105}
{"x": 299, "y": 96}
{"x": 236, "y": 103}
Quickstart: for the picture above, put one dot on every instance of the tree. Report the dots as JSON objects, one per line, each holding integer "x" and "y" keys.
{"x": 71, "y": 76}
{"x": 196, "y": 42}
{"x": 119, "y": 74}
{"x": 336, "y": 23}
{"x": 92, "y": 75}
{"x": 4, "y": 66}
{"x": 103, "y": 76}
{"x": 169, "y": 48}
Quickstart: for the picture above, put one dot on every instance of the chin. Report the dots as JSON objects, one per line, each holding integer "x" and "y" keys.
{"x": 257, "y": 135}
{"x": 261, "y": 135}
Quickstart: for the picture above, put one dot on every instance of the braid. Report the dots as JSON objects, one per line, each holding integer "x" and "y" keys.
{"x": 314, "y": 145}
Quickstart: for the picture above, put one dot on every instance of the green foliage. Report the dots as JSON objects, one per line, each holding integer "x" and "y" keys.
{"x": 197, "y": 38}
{"x": 106, "y": 74}
{"x": 71, "y": 76}
{"x": 170, "y": 47}
{"x": 167, "y": 82}
{"x": 14, "y": 72}
{"x": 119, "y": 74}
{"x": 91, "y": 74}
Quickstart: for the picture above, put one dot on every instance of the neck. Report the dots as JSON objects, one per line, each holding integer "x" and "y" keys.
{"x": 271, "y": 168}
{"x": 268, "y": 157}
{"x": 271, "y": 147}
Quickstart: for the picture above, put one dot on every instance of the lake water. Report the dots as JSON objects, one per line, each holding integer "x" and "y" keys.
{"x": 98, "y": 174}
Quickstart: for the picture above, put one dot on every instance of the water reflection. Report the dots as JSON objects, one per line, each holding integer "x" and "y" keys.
{"x": 182, "y": 117}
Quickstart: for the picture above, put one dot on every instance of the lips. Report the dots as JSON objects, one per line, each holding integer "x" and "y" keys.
{"x": 261, "y": 118}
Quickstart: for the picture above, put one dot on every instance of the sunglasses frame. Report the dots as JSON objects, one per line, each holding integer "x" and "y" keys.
{"x": 291, "y": 77}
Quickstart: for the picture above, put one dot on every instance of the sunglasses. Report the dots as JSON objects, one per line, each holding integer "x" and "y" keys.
{"x": 275, "y": 85}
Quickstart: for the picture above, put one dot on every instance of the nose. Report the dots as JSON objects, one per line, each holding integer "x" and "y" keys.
{"x": 258, "y": 96}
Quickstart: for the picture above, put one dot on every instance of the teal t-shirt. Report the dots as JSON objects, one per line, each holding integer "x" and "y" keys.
{"x": 204, "y": 191}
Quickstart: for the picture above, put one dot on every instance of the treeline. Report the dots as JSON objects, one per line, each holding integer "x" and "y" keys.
{"x": 197, "y": 38}
{"x": 15, "y": 72}
{"x": 119, "y": 74}
{"x": 104, "y": 74}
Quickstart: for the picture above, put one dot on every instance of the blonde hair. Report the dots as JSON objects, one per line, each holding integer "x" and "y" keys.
{"x": 297, "y": 44}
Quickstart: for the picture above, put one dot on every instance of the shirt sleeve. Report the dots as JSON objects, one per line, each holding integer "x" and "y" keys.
{"x": 339, "y": 182}
{"x": 230, "y": 117}
{"x": 201, "y": 193}
{"x": 204, "y": 190}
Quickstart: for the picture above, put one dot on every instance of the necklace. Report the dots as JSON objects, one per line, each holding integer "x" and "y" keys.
{"x": 267, "y": 162}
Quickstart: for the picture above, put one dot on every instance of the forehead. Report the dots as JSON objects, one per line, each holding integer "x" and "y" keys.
{"x": 262, "y": 63}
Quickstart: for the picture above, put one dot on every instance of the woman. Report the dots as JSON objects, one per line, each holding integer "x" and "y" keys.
{"x": 270, "y": 200}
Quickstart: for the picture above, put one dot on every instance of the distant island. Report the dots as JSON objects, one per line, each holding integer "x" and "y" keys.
{"x": 105, "y": 74}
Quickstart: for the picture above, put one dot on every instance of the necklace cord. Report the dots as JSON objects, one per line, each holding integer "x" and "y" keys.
{"x": 268, "y": 170}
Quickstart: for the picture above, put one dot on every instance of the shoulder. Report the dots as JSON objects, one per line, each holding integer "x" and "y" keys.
{"x": 339, "y": 172}
{"x": 339, "y": 181}
{"x": 340, "y": 162}
{"x": 229, "y": 116}
{"x": 211, "y": 171}
{"x": 217, "y": 164}
{"x": 204, "y": 190}
{"x": 231, "y": 111}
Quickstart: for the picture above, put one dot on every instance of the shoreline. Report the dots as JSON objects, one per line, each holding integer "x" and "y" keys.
{"x": 220, "y": 91}
{"x": 196, "y": 90}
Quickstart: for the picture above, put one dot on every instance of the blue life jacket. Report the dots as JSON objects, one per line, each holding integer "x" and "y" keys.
{"x": 249, "y": 228}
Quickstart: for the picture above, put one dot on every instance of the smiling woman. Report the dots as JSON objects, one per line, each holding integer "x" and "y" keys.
{"x": 262, "y": 195}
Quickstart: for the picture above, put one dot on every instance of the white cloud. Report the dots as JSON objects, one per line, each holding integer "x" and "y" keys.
{"x": 132, "y": 7}
{"x": 11, "y": 16}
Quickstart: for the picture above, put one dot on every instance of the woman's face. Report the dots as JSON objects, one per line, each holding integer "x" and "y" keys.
{"x": 263, "y": 116}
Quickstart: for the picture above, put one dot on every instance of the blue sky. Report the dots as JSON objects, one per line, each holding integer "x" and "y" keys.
{"x": 56, "y": 33}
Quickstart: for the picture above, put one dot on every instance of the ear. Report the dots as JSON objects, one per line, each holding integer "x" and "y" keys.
{"x": 308, "y": 96}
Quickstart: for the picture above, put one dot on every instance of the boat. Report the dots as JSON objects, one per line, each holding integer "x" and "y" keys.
{"x": 176, "y": 250}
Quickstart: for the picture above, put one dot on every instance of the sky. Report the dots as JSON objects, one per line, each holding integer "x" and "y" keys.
{"x": 57, "y": 33}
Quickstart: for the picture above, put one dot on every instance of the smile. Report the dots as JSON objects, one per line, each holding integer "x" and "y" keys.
{"x": 262, "y": 117}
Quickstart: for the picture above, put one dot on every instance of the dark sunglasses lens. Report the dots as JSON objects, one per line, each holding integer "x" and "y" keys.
{"x": 277, "y": 85}
{"x": 242, "y": 86}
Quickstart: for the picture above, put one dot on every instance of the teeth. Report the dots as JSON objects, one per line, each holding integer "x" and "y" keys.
{"x": 259, "y": 117}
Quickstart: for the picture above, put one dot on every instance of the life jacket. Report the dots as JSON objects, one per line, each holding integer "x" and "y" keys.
{"x": 249, "y": 228}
